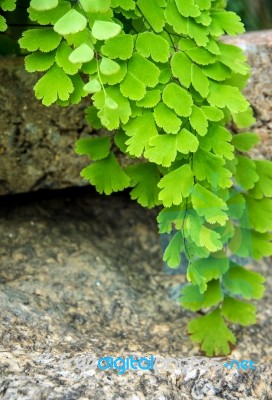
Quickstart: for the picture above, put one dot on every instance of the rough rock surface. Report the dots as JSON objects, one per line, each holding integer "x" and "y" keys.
{"x": 82, "y": 274}
{"x": 37, "y": 143}
{"x": 258, "y": 48}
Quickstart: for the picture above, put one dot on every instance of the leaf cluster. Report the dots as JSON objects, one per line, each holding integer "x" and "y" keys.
{"x": 165, "y": 88}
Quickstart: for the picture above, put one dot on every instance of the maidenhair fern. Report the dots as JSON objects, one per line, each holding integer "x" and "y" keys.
{"x": 166, "y": 89}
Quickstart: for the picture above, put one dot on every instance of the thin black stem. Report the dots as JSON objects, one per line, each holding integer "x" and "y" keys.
{"x": 144, "y": 17}
{"x": 182, "y": 229}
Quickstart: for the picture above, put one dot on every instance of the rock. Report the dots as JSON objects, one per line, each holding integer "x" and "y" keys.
{"x": 258, "y": 49}
{"x": 37, "y": 143}
{"x": 81, "y": 276}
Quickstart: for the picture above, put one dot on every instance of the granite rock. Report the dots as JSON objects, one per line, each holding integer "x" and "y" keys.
{"x": 81, "y": 276}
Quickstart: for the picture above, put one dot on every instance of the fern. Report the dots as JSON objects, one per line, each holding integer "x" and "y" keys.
{"x": 166, "y": 88}
{"x": 6, "y": 5}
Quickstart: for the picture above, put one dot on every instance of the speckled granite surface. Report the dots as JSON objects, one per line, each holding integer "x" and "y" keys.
{"x": 81, "y": 273}
{"x": 37, "y": 143}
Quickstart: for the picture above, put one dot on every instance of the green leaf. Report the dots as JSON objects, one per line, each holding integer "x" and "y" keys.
{"x": 163, "y": 150}
{"x": 227, "y": 96}
{"x": 144, "y": 177}
{"x": 173, "y": 217}
{"x": 178, "y": 99}
{"x": 132, "y": 87}
{"x": 8, "y": 5}
{"x": 209, "y": 166}
{"x": 238, "y": 80}
{"x": 62, "y": 59}
{"x": 106, "y": 175}
{"x": 175, "y": 19}
{"x": 213, "y": 113}
{"x": 181, "y": 66}
{"x": 103, "y": 30}
{"x": 246, "y": 175}
{"x": 92, "y": 86}
{"x": 3, "y": 25}
{"x": 226, "y": 232}
{"x": 44, "y": 39}
{"x": 96, "y": 148}
{"x": 244, "y": 119}
{"x": 92, "y": 117}
{"x": 172, "y": 254}
{"x": 109, "y": 67}
{"x": 193, "y": 300}
{"x": 234, "y": 58}
{"x": 204, "y": 19}
{"x": 111, "y": 118}
{"x": 204, "y": 270}
{"x": 39, "y": 61}
{"x": 49, "y": 16}
{"x": 125, "y": 4}
{"x": 153, "y": 13}
{"x": 225, "y": 22}
{"x": 263, "y": 187}
{"x": 201, "y": 235}
{"x": 117, "y": 77}
{"x": 149, "y": 44}
{"x": 78, "y": 91}
{"x": 150, "y": 100}
{"x": 165, "y": 74}
{"x": 176, "y": 185}
{"x": 199, "y": 121}
{"x": 95, "y": 6}
{"x": 201, "y": 56}
{"x": 248, "y": 243}
{"x": 76, "y": 39}
{"x": 209, "y": 205}
{"x": 187, "y": 142}
{"x": 205, "y": 242}
{"x": 71, "y": 22}
{"x": 245, "y": 141}
{"x": 240, "y": 281}
{"x": 145, "y": 70}
{"x": 188, "y": 9}
{"x": 139, "y": 134}
{"x": 213, "y": 341}
{"x": 239, "y": 312}
{"x": 199, "y": 81}
{"x": 213, "y": 48}
{"x": 260, "y": 214}
{"x": 110, "y": 103}
{"x": 197, "y": 32}
{"x": 186, "y": 44}
{"x": 203, "y": 4}
{"x": 166, "y": 119}
{"x": 217, "y": 71}
{"x": 120, "y": 139}
{"x": 42, "y": 5}
{"x": 55, "y": 84}
{"x": 236, "y": 204}
{"x": 120, "y": 46}
{"x": 81, "y": 54}
{"x": 218, "y": 139}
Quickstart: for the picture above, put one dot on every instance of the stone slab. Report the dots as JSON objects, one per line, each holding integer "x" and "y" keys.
{"x": 82, "y": 275}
